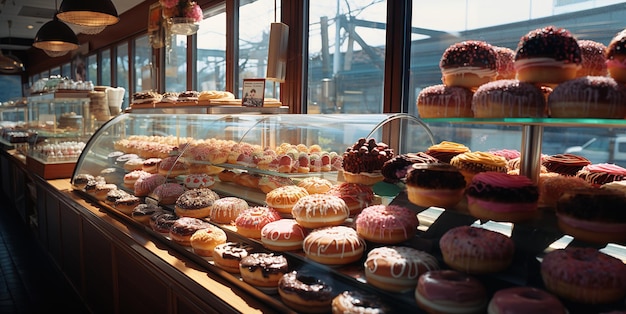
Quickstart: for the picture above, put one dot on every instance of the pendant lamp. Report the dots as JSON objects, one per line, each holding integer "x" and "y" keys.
{"x": 10, "y": 64}
{"x": 55, "y": 38}
{"x": 88, "y": 13}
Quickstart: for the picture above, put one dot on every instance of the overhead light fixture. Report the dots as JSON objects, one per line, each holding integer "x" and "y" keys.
{"x": 88, "y": 13}
{"x": 55, "y": 38}
{"x": 10, "y": 64}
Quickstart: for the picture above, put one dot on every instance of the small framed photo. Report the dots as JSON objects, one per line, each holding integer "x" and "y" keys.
{"x": 253, "y": 92}
{"x": 154, "y": 17}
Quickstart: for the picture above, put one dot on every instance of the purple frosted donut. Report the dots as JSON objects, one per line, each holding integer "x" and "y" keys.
{"x": 471, "y": 53}
{"x": 588, "y": 97}
{"x": 504, "y": 63}
{"x": 508, "y": 99}
{"x": 441, "y": 101}
{"x": 593, "y": 58}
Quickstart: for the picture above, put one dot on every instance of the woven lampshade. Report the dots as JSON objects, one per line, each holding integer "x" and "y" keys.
{"x": 55, "y": 37}
{"x": 10, "y": 65}
{"x": 91, "y": 13}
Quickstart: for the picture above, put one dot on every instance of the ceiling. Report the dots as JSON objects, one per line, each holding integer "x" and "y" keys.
{"x": 27, "y": 16}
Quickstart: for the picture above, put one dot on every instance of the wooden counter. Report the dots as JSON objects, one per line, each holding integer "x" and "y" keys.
{"x": 112, "y": 264}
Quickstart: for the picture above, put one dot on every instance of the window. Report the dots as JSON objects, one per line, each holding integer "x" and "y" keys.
{"x": 144, "y": 72}
{"x": 66, "y": 70}
{"x": 211, "y": 54}
{"x": 176, "y": 63}
{"x": 92, "y": 68}
{"x": 346, "y": 56}
{"x": 255, "y": 19}
{"x": 105, "y": 67}
{"x": 122, "y": 71}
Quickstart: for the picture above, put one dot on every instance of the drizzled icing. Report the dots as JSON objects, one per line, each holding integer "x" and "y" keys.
{"x": 508, "y": 98}
{"x": 589, "y": 91}
{"x": 602, "y": 173}
{"x": 225, "y": 208}
{"x": 256, "y": 217}
{"x": 320, "y": 205}
{"x": 384, "y": 220}
{"x": 452, "y": 101}
{"x": 285, "y": 196}
{"x": 285, "y": 229}
{"x": 482, "y": 158}
{"x": 404, "y": 262}
{"x": 336, "y": 241}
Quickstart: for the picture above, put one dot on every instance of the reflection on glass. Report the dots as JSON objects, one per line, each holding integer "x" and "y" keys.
{"x": 211, "y": 62}
{"x": 176, "y": 64}
{"x": 66, "y": 70}
{"x": 143, "y": 64}
{"x": 254, "y": 27}
{"x": 55, "y": 71}
{"x": 122, "y": 71}
{"x": 346, "y": 56}
{"x": 105, "y": 67}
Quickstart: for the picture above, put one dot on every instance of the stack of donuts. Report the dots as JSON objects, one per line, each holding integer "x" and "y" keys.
{"x": 549, "y": 74}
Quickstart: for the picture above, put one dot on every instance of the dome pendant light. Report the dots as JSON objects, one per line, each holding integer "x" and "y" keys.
{"x": 10, "y": 64}
{"x": 55, "y": 38}
{"x": 88, "y": 13}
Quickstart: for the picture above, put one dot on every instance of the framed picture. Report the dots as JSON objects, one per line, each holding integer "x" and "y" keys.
{"x": 154, "y": 17}
{"x": 253, "y": 92}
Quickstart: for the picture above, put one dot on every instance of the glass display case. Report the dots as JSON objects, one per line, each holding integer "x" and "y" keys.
{"x": 334, "y": 133}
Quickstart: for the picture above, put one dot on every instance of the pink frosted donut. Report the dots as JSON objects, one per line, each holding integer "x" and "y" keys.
{"x": 599, "y": 174}
{"x": 132, "y": 177}
{"x": 397, "y": 268}
{"x": 283, "y": 235}
{"x": 320, "y": 210}
{"x": 389, "y": 224}
{"x": 593, "y": 55}
{"x": 588, "y": 97}
{"x": 251, "y": 221}
{"x": 199, "y": 180}
{"x": 145, "y": 185}
{"x": 520, "y": 300}
{"x": 476, "y": 250}
{"x": 502, "y": 197}
{"x": 508, "y": 154}
{"x": 584, "y": 275}
{"x": 450, "y": 291}
{"x": 168, "y": 193}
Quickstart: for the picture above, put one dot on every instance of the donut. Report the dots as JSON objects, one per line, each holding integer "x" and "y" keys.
{"x": 228, "y": 255}
{"x": 603, "y": 173}
{"x": 90, "y": 186}
{"x": 112, "y": 156}
{"x": 616, "y": 57}
{"x": 115, "y": 194}
{"x": 395, "y": 169}
{"x": 80, "y": 180}
{"x": 247, "y": 179}
{"x": 227, "y": 176}
{"x": 356, "y": 196}
{"x": 188, "y": 96}
{"x": 584, "y": 275}
{"x": 263, "y": 269}
{"x": 101, "y": 190}
{"x": 225, "y": 210}
{"x": 133, "y": 164}
{"x": 450, "y": 291}
{"x": 435, "y": 184}
{"x": 565, "y": 164}
{"x": 162, "y": 222}
{"x": 445, "y": 150}
{"x": 146, "y": 97}
{"x": 593, "y": 215}
{"x": 387, "y": 224}
{"x": 184, "y": 227}
{"x": 282, "y": 199}
{"x": 505, "y": 59}
{"x": 336, "y": 245}
{"x": 167, "y": 193}
{"x": 588, "y": 97}
{"x": 169, "y": 97}
{"x": 471, "y": 163}
{"x": 126, "y": 203}
{"x": 593, "y": 55}
{"x": 502, "y": 197}
{"x": 351, "y": 301}
{"x": 283, "y": 235}
{"x": 320, "y": 210}
{"x": 122, "y": 159}
{"x": 132, "y": 177}
{"x": 250, "y": 221}
{"x": 397, "y": 268}
{"x": 151, "y": 165}
{"x": 144, "y": 211}
{"x": 521, "y": 300}
{"x": 305, "y": 293}
{"x": 476, "y": 250}
{"x": 547, "y": 56}
{"x": 363, "y": 161}
{"x": 195, "y": 203}
{"x": 315, "y": 185}
{"x": 552, "y": 186}
{"x": 509, "y": 99}
{"x": 508, "y": 154}
{"x": 441, "y": 101}
{"x": 113, "y": 175}
{"x": 172, "y": 167}
{"x": 469, "y": 64}
{"x": 268, "y": 183}
{"x": 146, "y": 184}
{"x": 205, "y": 240}
{"x": 198, "y": 180}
